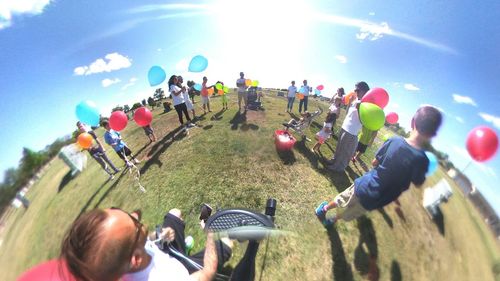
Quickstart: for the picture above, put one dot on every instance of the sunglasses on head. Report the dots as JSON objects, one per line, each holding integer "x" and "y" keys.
{"x": 138, "y": 227}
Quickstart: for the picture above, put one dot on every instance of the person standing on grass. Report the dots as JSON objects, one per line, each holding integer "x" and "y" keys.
{"x": 397, "y": 164}
{"x": 204, "y": 96}
{"x": 178, "y": 100}
{"x": 365, "y": 140}
{"x": 325, "y": 132}
{"x": 98, "y": 152}
{"x": 185, "y": 94}
{"x": 305, "y": 90}
{"x": 114, "y": 139}
{"x": 242, "y": 91}
{"x": 348, "y": 138}
{"x": 150, "y": 133}
{"x": 292, "y": 90}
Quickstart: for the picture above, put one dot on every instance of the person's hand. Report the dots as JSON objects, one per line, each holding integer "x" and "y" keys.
{"x": 168, "y": 234}
{"x": 202, "y": 224}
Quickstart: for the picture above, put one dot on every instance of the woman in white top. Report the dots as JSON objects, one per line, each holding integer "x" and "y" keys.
{"x": 187, "y": 100}
{"x": 178, "y": 99}
{"x": 348, "y": 138}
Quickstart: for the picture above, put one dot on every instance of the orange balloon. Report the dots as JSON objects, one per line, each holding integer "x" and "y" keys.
{"x": 210, "y": 91}
{"x": 85, "y": 140}
{"x": 221, "y": 92}
{"x": 300, "y": 96}
{"x": 248, "y": 82}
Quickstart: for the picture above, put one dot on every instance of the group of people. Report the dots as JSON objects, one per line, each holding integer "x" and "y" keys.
{"x": 303, "y": 100}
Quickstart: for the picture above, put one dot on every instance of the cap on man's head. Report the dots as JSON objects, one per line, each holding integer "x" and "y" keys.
{"x": 427, "y": 120}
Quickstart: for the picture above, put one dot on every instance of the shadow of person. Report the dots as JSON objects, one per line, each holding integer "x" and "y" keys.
{"x": 237, "y": 119}
{"x": 65, "y": 180}
{"x": 400, "y": 213}
{"x": 301, "y": 147}
{"x": 366, "y": 253}
{"x": 396, "y": 271}
{"x": 286, "y": 156}
{"x": 161, "y": 146}
{"x": 386, "y": 217}
{"x": 207, "y": 127}
{"x": 218, "y": 116}
{"x": 341, "y": 269}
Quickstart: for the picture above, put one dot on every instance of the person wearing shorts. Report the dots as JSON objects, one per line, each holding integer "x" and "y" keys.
{"x": 150, "y": 133}
{"x": 242, "y": 91}
{"x": 204, "y": 96}
{"x": 325, "y": 132}
{"x": 114, "y": 139}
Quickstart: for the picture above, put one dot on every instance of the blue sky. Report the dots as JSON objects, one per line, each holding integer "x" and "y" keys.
{"x": 55, "y": 54}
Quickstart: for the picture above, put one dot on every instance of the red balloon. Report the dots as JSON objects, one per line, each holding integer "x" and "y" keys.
{"x": 54, "y": 270}
{"x": 320, "y": 87}
{"x": 482, "y": 143}
{"x": 377, "y": 96}
{"x": 392, "y": 118}
{"x": 118, "y": 120}
{"x": 143, "y": 116}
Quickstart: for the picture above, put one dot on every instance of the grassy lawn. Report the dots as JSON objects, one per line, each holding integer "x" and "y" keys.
{"x": 231, "y": 161}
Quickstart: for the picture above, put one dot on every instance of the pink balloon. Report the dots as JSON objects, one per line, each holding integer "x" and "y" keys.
{"x": 118, "y": 120}
{"x": 54, "y": 270}
{"x": 376, "y": 96}
{"x": 143, "y": 116}
{"x": 320, "y": 87}
{"x": 482, "y": 143}
{"x": 392, "y": 118}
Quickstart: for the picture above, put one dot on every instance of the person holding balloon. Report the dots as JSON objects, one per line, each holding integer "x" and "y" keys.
{"x": 397, "y": 164}
{"x": 187, "y": 99}
{"x": 98, "y": 152}
{"x": 348, "y": 138}
{"x": 365, "y": 140}
{"x": 242, "y": 91}
{"x": 114, "y": 139}
{"x": 205, "y": 95}
{"x": 304, "y": 90}
{"x": 292, "y": 90}
{"x": 178, "y": 100}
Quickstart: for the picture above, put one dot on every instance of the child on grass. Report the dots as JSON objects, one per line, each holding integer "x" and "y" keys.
{"x": 325, "y": 132}
{"x": 148, "y": 130}
{"x": 114, "y": 139}
{"x": 397, "y": 164}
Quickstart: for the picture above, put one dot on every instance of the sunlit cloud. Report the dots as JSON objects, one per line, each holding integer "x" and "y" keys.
{"x": 182, "y": 65}
{"x": 111, "y": 62}
{"x": 464, "y": 99}
{"x": 341, "y": 59}
{"x": 411, "y": 87}
{"x": 9, "y": 9}
{"x": 371, "y": 13}
{"x": 495, "y": 120}
{"x": 373, "y": 31}
{"x": 130, "y": 83}
{"x": 168, "y": 7}
{"x": 108, "y": 82}
{"x": 460, "y": 119}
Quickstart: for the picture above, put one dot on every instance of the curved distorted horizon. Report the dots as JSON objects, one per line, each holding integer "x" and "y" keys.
{"x": 424, "y": 71}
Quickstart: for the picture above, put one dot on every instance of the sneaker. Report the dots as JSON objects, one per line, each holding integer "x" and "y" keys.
{"x": 117, "y": 171}
{"x": 128, "y": 164}
{"x": 137, "y": 161}
{"x": 191, "y": 125}
{"x": 320, "y": 210}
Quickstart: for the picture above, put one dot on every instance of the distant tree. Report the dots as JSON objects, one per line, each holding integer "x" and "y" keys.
{"x": 159, "y": 94}
{"x": 143, "y": 102}
{"x": 151, "y": 102}
{"x": 126, "y": 108}
{"x": 136, "y": 105}
{"x": 117, "y": 108}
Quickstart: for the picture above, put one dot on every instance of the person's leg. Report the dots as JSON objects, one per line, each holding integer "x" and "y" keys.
{"x": 240, "y": 98}
{"x": 98, "y": 159}
{"x": 128, "y": 152}
{"x": 185, "y": 111}
{"x": 173, "y": 219}
{"x": 300, "y": 105}
{"x": 245, "y": 99}
{"x": 178, "y": 108}
{"x": 107, "y": 160}
{"x": 224, "y": 253}
{"x": 208, "y": 106}
{"x": 306, "y": 98}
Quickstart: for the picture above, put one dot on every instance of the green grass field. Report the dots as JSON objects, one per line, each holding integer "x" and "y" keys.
{"x": 231, "y": 161}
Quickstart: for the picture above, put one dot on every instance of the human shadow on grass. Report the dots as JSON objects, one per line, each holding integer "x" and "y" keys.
{"x": 111, "y": 187}
{"x": 245, "y": 127}
{"x": 286, "y": 156}
{"x": 341, "y": 269}
{"x": 438, "y": 220}
{"x": 386, "y": 217}
{"x": 208, "y": 127}
{"x": 301, "y": 147}
{"x": 65, "y": 180}
{"x": 396, "y": 271}
{"x": 142, "y": 149}
{"x": 153, "y": 156}
{"x": 238, "y": 118}
{"x": 218, "y": 116}
{"x": 366, "y": 252}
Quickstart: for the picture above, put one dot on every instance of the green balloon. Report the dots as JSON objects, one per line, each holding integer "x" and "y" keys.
{"x": 218, "y": 86}
{"x": 255, "y": 83}
{"x": 226, "y": 89}
{"x": 372, "y": 116}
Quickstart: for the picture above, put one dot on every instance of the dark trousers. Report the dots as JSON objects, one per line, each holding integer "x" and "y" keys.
{"x": 223, "y": 251}
{"x": 303, "y": 102}
{"x": 290, "y": 103}
{"x": 101, "y": 158}
{"x": 180, "y": 108}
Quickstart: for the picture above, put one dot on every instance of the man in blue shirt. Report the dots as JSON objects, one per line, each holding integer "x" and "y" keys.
{"x": 114, "y": 139}
{"x": 397, "y": 164}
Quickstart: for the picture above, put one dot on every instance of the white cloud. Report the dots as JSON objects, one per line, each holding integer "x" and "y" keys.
{"x": 460, "y": 119}
{"x": 341, "y": 59}
{"x": 371, "y": 13}
{"x": 8, "y": 9}
{"x": 108, "y": 82}
{"x": 373, "y": 32}
{"x": 464, "y": 99}
{"x": 495, "y": 120}
{"x": 411, "y": 87}
{"x": 159, "y": 49}
{"x": 111, "y": 62}
{"x": 130, "y": 83}
{"x": 182, "y": 65}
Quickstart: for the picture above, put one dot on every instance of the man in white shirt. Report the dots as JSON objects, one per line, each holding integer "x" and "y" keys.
{"x": 292, "y": 90}
{"x": 242, "y": 91}
{"x": 304, "y": 90}
{"x": 111, "y": 244}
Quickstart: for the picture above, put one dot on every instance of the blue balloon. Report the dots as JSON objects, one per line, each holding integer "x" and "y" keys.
{"x": 198, "y": 64}
{"x": 88, "y": 113}
{"x": 433, "y": 163}
{"x": 197, "y": 87}
{"x": 317, "y": 92}
{"x": 156, "y": 75}
{"x": 302, "y": 90}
